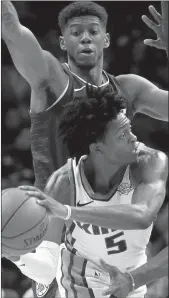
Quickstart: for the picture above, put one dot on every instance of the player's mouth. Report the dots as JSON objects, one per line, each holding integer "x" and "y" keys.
{"x": 86, "y": 51}
{"x": 135, "y": 150}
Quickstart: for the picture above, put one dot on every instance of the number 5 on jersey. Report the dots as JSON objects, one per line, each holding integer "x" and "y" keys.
{"x": 118, "y": 246}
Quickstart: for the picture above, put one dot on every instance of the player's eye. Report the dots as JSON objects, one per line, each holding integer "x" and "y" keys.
{"x": 93, "y": 32}
{"x": 122, "y": 136}
{"x": 75, "y": 33}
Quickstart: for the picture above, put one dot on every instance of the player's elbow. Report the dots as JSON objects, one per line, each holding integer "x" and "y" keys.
{"x": 144, "y": 218}
{"x": 145, "y": 223}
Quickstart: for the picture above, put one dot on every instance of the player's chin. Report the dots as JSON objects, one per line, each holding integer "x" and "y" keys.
{"x": 86, "y": 63}
{"x": 133, "y": 155}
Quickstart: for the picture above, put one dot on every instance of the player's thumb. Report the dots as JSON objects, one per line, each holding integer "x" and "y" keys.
{"x": 152, "y": 43}
{"x": 104, "y": 265}
{"x": 43, "y": 203}
{"x": 112, "y": 270}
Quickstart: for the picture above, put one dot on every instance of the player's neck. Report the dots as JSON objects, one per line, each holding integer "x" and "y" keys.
{"x": 103, "y": 176}
{"x": 93, "y": 76}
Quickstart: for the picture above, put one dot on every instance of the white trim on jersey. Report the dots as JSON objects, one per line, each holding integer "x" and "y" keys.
{"x": 60, "y": 97}
{"x": 102, "y": 85}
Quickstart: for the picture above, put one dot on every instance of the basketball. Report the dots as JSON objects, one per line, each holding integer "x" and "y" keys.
{"x": 24, "y": 223}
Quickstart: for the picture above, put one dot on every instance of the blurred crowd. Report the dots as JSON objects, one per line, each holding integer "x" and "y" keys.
{"x": 127, "y": 54}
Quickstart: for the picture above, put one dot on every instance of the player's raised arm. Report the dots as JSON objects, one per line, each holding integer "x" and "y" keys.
{"x": 160, "y": 27}
{"x": 164, "y": 9}
{"x": 24, "y": 48}
{"x": 146, "y": 97}
{"x": 37, "y": 66}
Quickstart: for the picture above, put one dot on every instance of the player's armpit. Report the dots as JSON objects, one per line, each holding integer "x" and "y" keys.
{"x": 150, "y": 100}
{"x": 150, "y": 193}
{"x": 146, "y": 97}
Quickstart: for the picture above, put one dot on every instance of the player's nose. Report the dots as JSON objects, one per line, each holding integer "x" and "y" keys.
{"x": 133, "y": 138}
{"x": 86, "y": 37}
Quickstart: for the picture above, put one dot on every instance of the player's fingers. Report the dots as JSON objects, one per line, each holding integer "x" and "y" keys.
{"x": 149, "y": 23}
{"x": 44, "y": 203}
{"x": 105, "y": 266}
{"x": 35, "y": 193}
{"x": 153, "y": 43}
{"x": 112, "y": 270}
{"x": 27, "y": 187}
{"x": 109, "y": 291}
{"x": 155, "y": 14}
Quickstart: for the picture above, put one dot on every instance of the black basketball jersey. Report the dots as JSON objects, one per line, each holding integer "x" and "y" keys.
{"x": 49, "y": 152}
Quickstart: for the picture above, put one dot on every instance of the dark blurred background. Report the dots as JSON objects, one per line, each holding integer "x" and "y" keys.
{"x": 127, "y": 54}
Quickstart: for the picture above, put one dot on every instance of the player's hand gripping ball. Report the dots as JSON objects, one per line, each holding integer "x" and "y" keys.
{"x": 24, "y": 223}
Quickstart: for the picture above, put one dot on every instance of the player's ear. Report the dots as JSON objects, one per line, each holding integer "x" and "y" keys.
{"x": 62, "y": 43}
{"x": 107, "y": 40}
{"x": 95, "y": 148}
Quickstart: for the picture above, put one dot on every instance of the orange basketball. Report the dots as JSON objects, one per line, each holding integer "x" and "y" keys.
{"x": 24, "y": 223}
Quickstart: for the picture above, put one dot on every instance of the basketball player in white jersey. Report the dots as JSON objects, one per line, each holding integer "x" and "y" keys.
{"x": 52, "y": 83}
{"x": 119, "y": 187}
{"x": 121, "y": 283}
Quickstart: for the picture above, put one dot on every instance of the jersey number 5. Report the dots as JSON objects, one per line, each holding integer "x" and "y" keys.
{"x": 118, "y": 246}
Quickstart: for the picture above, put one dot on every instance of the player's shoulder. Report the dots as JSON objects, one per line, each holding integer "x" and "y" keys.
{"x": 129, "y": 78}
{"x": 58, "y": 174}
{"x": 59, "y": 182}
{"x": 132, "y": 83}
{"x": 152, "y": 164}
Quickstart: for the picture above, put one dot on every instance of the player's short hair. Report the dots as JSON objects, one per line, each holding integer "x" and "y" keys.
{"x": 84, "y": 120}
{"x": 81, "y": 8}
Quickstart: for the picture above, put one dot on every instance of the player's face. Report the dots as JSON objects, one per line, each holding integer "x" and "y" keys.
{"x": 84, "y": 40}
{"x": 119, "y": 144}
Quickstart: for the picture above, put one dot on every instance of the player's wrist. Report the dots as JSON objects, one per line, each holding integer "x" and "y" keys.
{"x": 131, "y": 281}
{"x": 68, "y": 212}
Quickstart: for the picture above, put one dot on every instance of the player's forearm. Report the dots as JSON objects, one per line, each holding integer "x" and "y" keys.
{"x": 10, "y": 20}
{"x": 164, "y": 9}
{"x": 126, "y": 217}
{"x": 154, "y": 269}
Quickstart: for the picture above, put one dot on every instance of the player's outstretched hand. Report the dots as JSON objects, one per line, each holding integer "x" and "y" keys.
{"x": 156, "y": 26}
{"x": 120, "y": 284}
{"x": 54, "y": 208}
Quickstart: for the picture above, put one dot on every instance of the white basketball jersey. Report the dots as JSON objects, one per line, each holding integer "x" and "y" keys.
{"x": 122, "y": 248}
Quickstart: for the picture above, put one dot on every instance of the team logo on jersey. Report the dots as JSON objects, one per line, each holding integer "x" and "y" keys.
{"x": 97, "y": 274}
{"x": 124, "y": 188}
{"x": 41, "y": 289}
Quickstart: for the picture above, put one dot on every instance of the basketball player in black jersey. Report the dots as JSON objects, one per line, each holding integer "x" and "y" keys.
{"x": 84, "y": 38}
